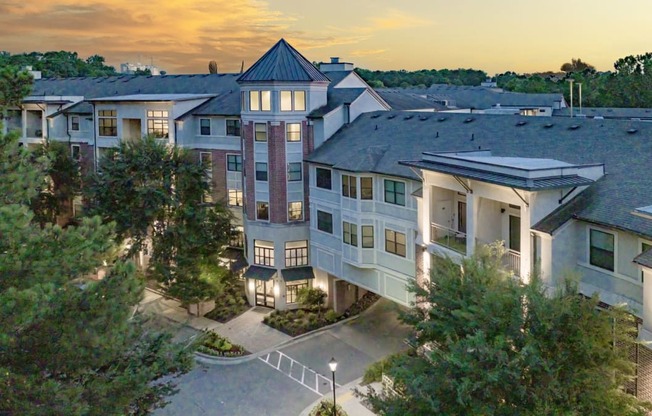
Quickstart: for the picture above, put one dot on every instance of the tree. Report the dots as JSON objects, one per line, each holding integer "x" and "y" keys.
{"x": 312, "y": 298}
{"x": 577, "y": 65}
{"x": 14, "y": 85}
{"x": 69, "y": 343}
{"x": 489, "y": 345}
{"x": 155, "y": 192}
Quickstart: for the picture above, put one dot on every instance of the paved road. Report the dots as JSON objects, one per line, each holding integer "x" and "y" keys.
{"x": 285, "y": 381}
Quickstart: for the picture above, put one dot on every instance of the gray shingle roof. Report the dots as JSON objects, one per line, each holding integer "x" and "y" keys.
{"x": 282, "y": 63}
{"x": 94, "y": 87}
{"x": 644, "y": 259}
{"x": 401, "y": 100}
{"x": 611, "y": 200}
{"x": 482, "y": 97}
{"x": 607, "y": 112}
{"x": 227, "y": 104}
{"x": 335, "y": 98}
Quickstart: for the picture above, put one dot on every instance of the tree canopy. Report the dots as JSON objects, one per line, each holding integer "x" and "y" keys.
{"x": 489, "y": 345}
{"x": 59, "y": 64}
{"x": 154, "y": 193}
{"x": 69, "y": 342}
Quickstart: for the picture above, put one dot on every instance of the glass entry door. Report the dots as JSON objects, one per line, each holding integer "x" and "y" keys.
{"x": 265, "y": 293}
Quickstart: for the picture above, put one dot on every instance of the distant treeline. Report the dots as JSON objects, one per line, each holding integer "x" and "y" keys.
{"x": 629, "y": 85}
{"x": 58, "y": 64}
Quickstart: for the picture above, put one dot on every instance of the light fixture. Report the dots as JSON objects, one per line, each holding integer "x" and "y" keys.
{"x": 333, "y": 366}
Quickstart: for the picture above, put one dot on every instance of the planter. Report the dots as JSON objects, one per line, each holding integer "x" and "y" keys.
{"x": 201, "y": 308}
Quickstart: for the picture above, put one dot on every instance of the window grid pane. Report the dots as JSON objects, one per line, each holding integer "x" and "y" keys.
{"x": 292, "y": 290}
{"x": 234, "y": 163}
{"x": 366, "y": 188}
{"x": 323, "y": 178}
{"x": 325, "y": 222}
{"x": 394, "y": 192}
{"x": 233, "y": 127}
{"x": 294, "y": 171}
{"x": 296, "y": 256}
{"x": 254, "y": 101}
{"x": 367, "y": 236}
{"x": 262, "y": 211}
{"x": 295, "y": 211}
{"x": 261, "y": 171}
{"x": 601, "y": 252}
{"x": 261, "y": 132}
{"x": 263, "y": 255}
{"x": 205, "y": 127}
{"x": 286, "y": 100}
{"x": 235, "y": 198}
{"x": 266, "y": 100}
{"x": 299, "y": 101}
{"x": 395, "y": 243}
{"x": 293, "y": 132}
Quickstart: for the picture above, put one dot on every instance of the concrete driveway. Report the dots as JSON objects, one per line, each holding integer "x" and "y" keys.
{"x": 283, "y": 382}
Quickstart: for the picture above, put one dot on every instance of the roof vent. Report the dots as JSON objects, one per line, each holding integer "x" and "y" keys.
{"x": 548, "y": 125}
{"x": 408, "y": 117}
{"x": 632, "y": 131}
{"x": 440, "y": 119}
{"x": 469, "y": 120}
{"x": 375, "y": 116}
{"x": 521, "y": 123}
{"x": 423, "y": 118}
{"x": 574, "y": 127}
{"x": 391, "y": 116}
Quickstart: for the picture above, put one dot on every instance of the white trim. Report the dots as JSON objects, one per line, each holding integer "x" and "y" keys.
{"x": 331, "y": 172}
{"x": 303, "y": 212}
{"x": 317, "y": 210}
{"x": 405, "y": 234}
{"x": 405, "y": 194}
{"x": 241, "y": 163}
{"x": 210, "y": 127}
{"x": 623, "y": 277}
{"x": 287, "y": 172}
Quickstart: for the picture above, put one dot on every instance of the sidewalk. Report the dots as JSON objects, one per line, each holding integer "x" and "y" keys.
{"x": 347, "y": 400}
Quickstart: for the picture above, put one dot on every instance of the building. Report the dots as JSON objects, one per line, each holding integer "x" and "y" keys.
{"x": 131, "y": 68}
{"x": 334, "y": 189}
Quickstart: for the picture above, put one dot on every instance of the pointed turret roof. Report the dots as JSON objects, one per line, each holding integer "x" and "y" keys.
{"x": 282, "y": 63}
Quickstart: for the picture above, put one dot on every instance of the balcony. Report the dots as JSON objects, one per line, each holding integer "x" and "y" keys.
{"x": 512, "y": 262}
{"x": 452, "y": 239}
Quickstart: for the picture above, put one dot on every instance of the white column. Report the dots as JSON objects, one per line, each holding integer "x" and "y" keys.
{"x": 647, "y": 302}
{"x": 24, "y": 121}
{"x": 424, "y": 212}
{"x": 471, "y": 222}
{"x": 526, "y": 244}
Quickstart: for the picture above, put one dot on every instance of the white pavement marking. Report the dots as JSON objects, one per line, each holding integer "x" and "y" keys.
{"x": 305, "y": 381}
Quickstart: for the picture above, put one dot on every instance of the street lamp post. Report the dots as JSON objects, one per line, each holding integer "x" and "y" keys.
{"x": 333, "y": 365}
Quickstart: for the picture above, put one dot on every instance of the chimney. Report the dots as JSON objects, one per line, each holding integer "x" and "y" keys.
{"x": 335, "y": 65}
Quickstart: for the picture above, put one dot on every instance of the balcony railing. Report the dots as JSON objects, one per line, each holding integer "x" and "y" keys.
{"x": 512, "y": 261}
{"x": 453, "y": 239}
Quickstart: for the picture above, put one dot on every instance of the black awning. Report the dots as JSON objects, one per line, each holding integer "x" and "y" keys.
{"x": 259, "y": 273}
{"x": 234, "y": 258}
{"x": 298, "y": 273}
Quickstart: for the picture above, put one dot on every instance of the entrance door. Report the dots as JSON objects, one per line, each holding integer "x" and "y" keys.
{"x": 515, "y": 233}
{"x": 461, "y": 216}
{"x": 265, "y": 293}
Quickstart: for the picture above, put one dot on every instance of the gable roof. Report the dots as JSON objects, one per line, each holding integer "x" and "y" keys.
{"x": 644, "y": 259}
{"x": 400, "y": 136}
{"x": 283, "y": 63}
{"x": 335, "y": 98}
{"x": 401, "y": 100}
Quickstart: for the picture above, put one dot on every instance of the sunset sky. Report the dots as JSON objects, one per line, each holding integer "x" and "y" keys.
{"x": 183, "y": 36}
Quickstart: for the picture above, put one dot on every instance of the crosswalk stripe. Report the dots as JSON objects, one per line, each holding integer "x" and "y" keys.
{"x": 304, "y": 382}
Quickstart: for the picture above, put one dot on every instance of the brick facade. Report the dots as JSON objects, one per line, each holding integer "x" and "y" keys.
{"x": 218, "y": 183}
{"x": 248, "y": 171}
{"x": 277, "y": 173}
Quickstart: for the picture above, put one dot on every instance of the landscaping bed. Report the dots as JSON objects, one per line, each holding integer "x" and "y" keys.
{"x": 299, "y": 321}
{"x": 231, "y": 304}
{"x": 215, "y": 345}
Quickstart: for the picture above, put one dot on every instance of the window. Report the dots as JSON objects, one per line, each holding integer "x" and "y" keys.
{"x": 350, "y": 233}
{"x": 325, "y": 222}
{"x": 262, "y": 211}
{"x": 366, "y": 188}
{"x": 205, "y": 126}
{"x": 77, "y": 206}
{"x": 260, "y": 132}
{"x": 644, "y": 247}
{"x": 234, "y": 163}
{"x": 74, "y": 123}
{"x": 323, "y": 178}
{"x": 367, "y": 236}
{"x": 292, "y": 290}
{"x": 264, "y": 253}
{"x": 601, "y": 249}
{"x": 75, "y": 152}
{"x": 237, "y": 238}
{"x": 296, "y": 253}
{"x": 260, "y": 100}
{"x": 394, "y": 192}
{"x": 107, "y": 123}
{"x": 157, "y": 123}
{"x": 349, "y": 186}
{"x": 233, "y": 127}
{"x": 395, "y": 243}
{"x": 293, "y": 101}
{"x": 293, "y": 132}
{"x": 294, "y": 171}
{"x": 261, "y": 171}
{"x": 235, "y": 198}
{"x": 243, "y": 101}
{"x": 295, "y": 211}
{"x": 206, "y": 161}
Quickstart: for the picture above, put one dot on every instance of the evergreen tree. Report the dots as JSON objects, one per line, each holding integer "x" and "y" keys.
{"x": 488, "y": 345}
{"x": 69, "y": 344}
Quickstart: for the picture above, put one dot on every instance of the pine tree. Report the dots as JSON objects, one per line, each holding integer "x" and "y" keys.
{"x": 69, "y": 344}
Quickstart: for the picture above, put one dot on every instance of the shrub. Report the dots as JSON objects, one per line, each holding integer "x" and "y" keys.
{"x": 325, "y": 408}
{"x": 300, "y": 313}
{"x": 374, "y": 373}
{"x": 331, "y": 316}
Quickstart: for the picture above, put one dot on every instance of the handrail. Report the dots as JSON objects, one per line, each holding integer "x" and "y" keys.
{"x": 453, "y": 239}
